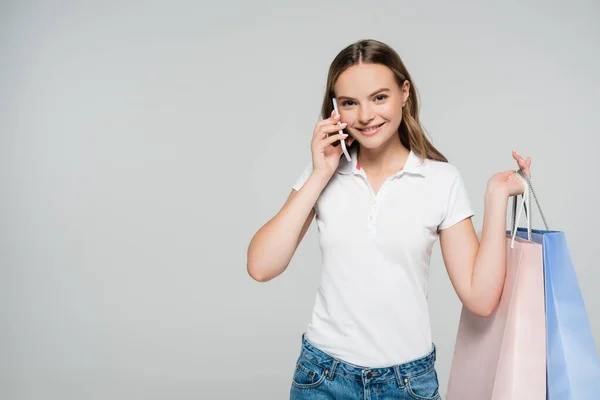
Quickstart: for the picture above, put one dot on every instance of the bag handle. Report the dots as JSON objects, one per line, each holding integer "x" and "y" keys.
{"x": 526, "y": 199}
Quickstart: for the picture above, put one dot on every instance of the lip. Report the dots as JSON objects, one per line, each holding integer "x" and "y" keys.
{"x": 372, "y": 133}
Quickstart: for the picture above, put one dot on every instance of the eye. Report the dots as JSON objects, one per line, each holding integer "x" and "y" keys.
{"x": 381, "y": 97}
{"x": 347, "y": 103}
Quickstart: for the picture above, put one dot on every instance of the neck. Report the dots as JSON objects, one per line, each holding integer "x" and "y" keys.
{"x": 386, "y": 159}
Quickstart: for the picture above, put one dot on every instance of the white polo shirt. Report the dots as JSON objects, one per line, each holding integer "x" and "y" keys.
{"x": 371, "y": 307}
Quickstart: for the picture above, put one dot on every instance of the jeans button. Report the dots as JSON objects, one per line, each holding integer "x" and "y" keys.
{"x": 369, "y": 375}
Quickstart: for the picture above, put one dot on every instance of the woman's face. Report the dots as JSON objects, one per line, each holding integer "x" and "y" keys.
{"x": 370, "y": 102}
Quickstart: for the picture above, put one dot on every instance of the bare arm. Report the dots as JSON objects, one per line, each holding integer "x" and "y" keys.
{"x": 273, "y": 246}
{"x": 477, "y": 269}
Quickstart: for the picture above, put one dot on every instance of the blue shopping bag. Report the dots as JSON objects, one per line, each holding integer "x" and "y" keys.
{"x": 573, "y": 366}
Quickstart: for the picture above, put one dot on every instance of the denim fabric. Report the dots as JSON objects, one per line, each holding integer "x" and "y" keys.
{"x": 320, "y": 376}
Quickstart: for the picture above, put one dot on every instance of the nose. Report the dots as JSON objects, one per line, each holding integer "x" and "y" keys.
{"x": 365, "y": 115}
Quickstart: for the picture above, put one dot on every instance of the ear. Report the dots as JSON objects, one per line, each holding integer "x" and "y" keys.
{"x": 405, "y": 92}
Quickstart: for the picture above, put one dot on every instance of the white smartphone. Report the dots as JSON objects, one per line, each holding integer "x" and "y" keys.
{"x": 335, "y": 107}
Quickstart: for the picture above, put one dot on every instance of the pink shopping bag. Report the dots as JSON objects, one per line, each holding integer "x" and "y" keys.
{"x": 503, "y": 357}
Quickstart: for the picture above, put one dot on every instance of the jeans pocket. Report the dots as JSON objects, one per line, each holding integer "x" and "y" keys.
{"x": 424, "y": 386}
{"x": 308, "y": 375}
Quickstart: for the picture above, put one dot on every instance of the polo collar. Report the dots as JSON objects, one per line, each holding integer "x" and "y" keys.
{"x": 413, "y": 164}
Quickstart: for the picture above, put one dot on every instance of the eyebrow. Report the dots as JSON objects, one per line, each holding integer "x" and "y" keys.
{"x": 371, "y": 95}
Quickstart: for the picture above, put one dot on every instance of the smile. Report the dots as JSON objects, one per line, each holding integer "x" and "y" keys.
{"x": 372, "y": 130}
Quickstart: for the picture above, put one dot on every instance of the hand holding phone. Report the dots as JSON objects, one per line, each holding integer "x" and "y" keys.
{"x": 335, "y": 107}
{"x": 325, "y": 157}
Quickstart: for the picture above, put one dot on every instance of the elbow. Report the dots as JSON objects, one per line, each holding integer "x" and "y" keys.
{"x": 482, "y": 303}
{"x": 484, "y": 310}
{"x": 257, "y": 274}
{"x": 261, "y": 266}
{"x": 258, "y": 271}
{"x": 253, "y": 266}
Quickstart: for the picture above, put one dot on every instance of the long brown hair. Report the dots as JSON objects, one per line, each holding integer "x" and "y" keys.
{"x": 412, "y": 134}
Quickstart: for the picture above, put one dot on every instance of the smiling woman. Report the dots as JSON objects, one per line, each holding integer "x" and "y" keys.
{"x": 386, "y": 88}
{"x": 379, "y": 214}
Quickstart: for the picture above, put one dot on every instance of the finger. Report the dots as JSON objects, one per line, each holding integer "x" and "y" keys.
{"x": 527, "y": 171}
{"x": 333, "y": 118}
{"x": 325, "y": 135}
{"x": 522, "y": 164}
{"x": 326, "y": 122}
{"x": 528, "y": 168}
{"x": 334, "y": 138}
{"x": 516, "y": 156}
{"x": 331, "y": 128}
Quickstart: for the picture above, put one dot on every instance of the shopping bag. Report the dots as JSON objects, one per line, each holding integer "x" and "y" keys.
{"x": 573, "y": 366}
{"x": 503, "y": 356}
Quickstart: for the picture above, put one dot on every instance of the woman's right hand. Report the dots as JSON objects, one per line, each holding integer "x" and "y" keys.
{"x": 326, "y": 157}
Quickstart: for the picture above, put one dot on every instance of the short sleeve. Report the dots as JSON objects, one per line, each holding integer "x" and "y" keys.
{"x": 303, "y": 177}
{"x": 458, "y": 205}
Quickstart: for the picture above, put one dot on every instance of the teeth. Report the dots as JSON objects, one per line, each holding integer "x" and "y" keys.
{"x": 370, "y": 129}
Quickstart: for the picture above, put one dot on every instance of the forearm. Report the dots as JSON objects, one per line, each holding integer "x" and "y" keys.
{"x": 274, "y": 245}
{"x": 489, "y": 269}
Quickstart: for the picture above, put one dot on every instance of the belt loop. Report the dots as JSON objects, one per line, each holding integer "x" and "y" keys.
{"x": 331, "y": 372}
{"x": 399, "y": 379}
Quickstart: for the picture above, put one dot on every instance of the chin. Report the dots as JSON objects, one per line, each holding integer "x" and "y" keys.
{"x": 369, "y": 143}
{"x": 374, "y": 142}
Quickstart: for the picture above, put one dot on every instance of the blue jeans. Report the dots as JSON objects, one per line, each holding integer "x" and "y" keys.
{"x": 320, "y": 376}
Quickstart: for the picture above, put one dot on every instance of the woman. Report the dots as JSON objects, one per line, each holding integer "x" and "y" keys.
{"x": 378, "y": 217}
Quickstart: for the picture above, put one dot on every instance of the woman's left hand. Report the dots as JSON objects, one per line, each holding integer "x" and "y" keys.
{"x": 508, "y": 182}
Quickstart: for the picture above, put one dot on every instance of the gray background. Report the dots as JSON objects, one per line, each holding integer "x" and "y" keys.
{"x": 143, "y": 144}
